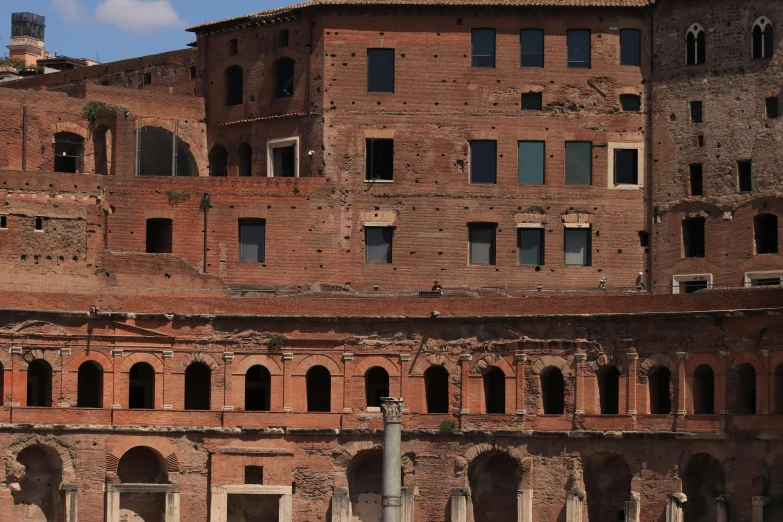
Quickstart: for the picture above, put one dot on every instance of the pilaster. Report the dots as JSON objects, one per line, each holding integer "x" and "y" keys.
{"x": 459, "y": 504}
{"x": 580, "y": 359}
{"x": 633, "y": 360}
{"x": 682, "y": 384}
{"x": 521, "y": 360}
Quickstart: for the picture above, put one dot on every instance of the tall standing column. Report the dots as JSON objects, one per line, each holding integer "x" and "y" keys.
{"x": 392, "y": 456}
{"x": 674, "y": 507}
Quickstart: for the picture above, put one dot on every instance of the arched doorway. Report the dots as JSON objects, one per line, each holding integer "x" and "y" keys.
{"x": 258, "y": 386}
{"x": 89, "y": 388}
{"x": 552, "y": 391}
{"x": 102, "y": 149}
{"x": 376, "y": 385}
{"x": 319, "y": 389}
{"x": 365, "y": 477}
{"x": 245, "y": 160}
{"x": 659, "y": 387}
{"x": 141, "y": 389}
{"x": 773, "y": 510}
{"x": 494, "y": 390}
{"x": 494, "y": 479}
{"x": 156, "y": 156}
{"x": 198, "y": 385}
{"x": 436, "y": 389}
{"x": 38, "y": 498}
{"x": 218, "y": 161}
{"x": 607, "y": 479}
{"x": 39, "y": 384}
{"x": 609, "y": 390}
{"x": 744, "y": 377}
{"x": 142, "y": 465}
{"x": 704, "y": 390}
{"x": 68, "y": 152}
{"x": 703, "y": 482}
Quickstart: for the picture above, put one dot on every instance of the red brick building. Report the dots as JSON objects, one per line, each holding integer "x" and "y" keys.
{"x": 204, "y": 296}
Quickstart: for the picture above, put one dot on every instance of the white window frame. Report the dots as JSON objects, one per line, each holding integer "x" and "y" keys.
{"x": 750, "y": 276}
{"x": 279, "y": 143}
{"x": 639, "y": 147}
{"x": 695, "y": 28}
{"x": 686, "y": 278}
{"x": 761, "y": 22}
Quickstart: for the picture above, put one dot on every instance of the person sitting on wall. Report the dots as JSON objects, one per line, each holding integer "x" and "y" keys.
{"x": 437, "y": 288}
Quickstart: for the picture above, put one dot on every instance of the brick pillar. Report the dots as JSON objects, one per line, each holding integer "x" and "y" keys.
{"x": 682, "y": 384}
{"x": 765, "y": 385}
{"x": 288, "y": 363}
{"x": 348, "y": 367}
{"x": 164, "y": 393}
{"x": 59, "y": 384}
{"x": 580, "y": 387}
{"x": 18, "y": 378}
{"x": 633, "y": 361}
{"x": 405, "y": 359}
{"x": 228, "y": 372}
{"x": 117, "y": 397}
{"x": 521, "y": 360}
{"x": 464, "y": 366}
{"x": 721, "y": 391}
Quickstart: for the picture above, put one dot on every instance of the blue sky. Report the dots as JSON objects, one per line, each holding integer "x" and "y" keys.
{"x": 119, "y": 29}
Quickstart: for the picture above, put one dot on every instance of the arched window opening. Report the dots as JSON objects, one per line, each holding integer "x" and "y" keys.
{"x": 436, "y": 389}
{"x": 704, "y": 390}
{"x": 319, "y": 389}
{"x": 258, "y": 387}
{"x": 765, "y": 230}
{"x": 745, "y": 397}
{"x": 160, "y": 151}
{"x": 693, "y": 237}
{"x": 779, "y": 388}
{"x": 141, "y": 389}
{"x": 494, "y": 479}
{"x": 198, "y": 385}
{"x": 376, "y": 385}
{"x": 160, "y": 236}
{"x": 218, "y": 161}
{"x": 495, "y": 390}
{"x": 234, "y": 86}
{"x": 703, "y": 483}
{"x": 608, "y": 486}
{"x": 763, "y": 41}
{"x": 773, "y": 509}
{"x": 365, "y": 478}
{"x": 659, "y": 382}
{"x": 553, "y": 391}
{"x": 284, "y": 86}
{"x": 89, "y": 388}
{"x": 68, "y": 152}
{"x": 142, "y": 465}
{"x": 102, "y": 146}
{"x": 39, "y": 384}
{"x": 38, "y": 492}
{"x": 245, "y": 160}
{"x": 696, "y": 43}
{"x": 609, "y": 390}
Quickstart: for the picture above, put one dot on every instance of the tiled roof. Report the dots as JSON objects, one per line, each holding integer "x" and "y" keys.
{"x": 281, "y": 11}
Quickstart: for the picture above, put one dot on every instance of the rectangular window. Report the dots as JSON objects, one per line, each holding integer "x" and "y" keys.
{"x": 531, "y": 246}
{"x": 39, "y": 223}
{"x": 254, "y": 475}
{"x": 159, "y": 236}
{"x": 578, "y": 163}
{"x": 147, "y": 78}
{"x": 579, "y": 49}
{"x": 697, "y": 112}
{"x": 193, "y": 72}
{"x": 631, "y": 47}
{"x": 380, "y": 70}
{"x": 3, "y": 222}
{"x": 691, "y": 287}
{"x": 380, "y": 159}
{"x": 532, "y": 47}
{"x": 769, "y": 281}
{"x": 481, "y": 237}
{"x": 577, "y": 247}
{"x": 532, "y": 101}
{"x": 252, "y": 240}
{"x": 283, "y": 38}
{"x": 483, "y": 162}
{"x": 772, "y": 107}
{"x": 630, "y": 102}
{"x": 283, "y": 160}
{"x": 626, "y": 167}
{"x": 233, "y": 47}
{"x": 531, "y": 162}
{"x": 700, "y": 140}
{"x": 483, "y": 48}
{"x": 378, "y": 245}
{"x": 693, "y": 237}
{"x": 697, "y": 181}
{"x": 745, "y": 176}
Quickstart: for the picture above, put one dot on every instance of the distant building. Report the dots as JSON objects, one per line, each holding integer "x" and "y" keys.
{"x": 27, "y": 38}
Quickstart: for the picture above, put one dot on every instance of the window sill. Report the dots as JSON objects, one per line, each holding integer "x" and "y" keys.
{"x": 379, "y": 181}
{"x": 626, "y": 186}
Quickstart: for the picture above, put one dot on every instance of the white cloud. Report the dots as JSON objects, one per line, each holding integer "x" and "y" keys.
{"x": 137, "y": 16}
{"x": 70, "y": 10}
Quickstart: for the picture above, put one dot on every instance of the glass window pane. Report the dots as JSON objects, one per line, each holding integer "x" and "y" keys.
{"x": 482, "y": 244}
{"x": 531, "y": 246}
{"x": 630, "y": 47}
{"x": 483, "y": 161}
{"x": 483, "y": 48}
{"x": 578, "y": 164}
{"x": 531, "y": 162}
{"x": 576, "y": 246}
{"x": 378, "y": 244}
{"x": 380, "y": 70}
{"x": 532, "y": 44}
{"x": 251, "y": 242}
{"x": 283, "y": 161}
{"x": 626, "y": 166}
{"x": 579, "y": 49}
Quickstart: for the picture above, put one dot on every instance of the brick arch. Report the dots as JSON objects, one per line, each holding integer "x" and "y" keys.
{"x": 515, "y": 452}
{"x": 80, "y": 358}
{"x": 5, "y": 359}
{"x": 149, "y": 358}
{"x": 199, "y": 357}
{"x": 343, "y": 455}
{"x": 181, "y": 131}
{"x": 376, "y": 360}
{"x": 548, "y": 361}
{"x": 314, "y": 360}
{"x": 165, "y": 450}
{"x": 651, "y": 362}
{"x": 749, "y": 358}
{"x": 66, "y": 458}
{"x": 635, "y": 90}
{"x": 422, "y": 364}
{"x": 603, "y": 361}
{"x": 252, "y": 360}
{"x": 703, "y": 358}
{"x": 67, "y": 126}
{"x": 685, "y": 457}
{"x": 775, "y": 360}
{"x": 50, "y": 356}
{"x": 484, "y": 363}
{"x": 631, "y": 458}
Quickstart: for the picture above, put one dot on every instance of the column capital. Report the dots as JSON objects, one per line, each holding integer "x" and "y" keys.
{"x": 679, "y": 498}
{"x": 520, "y": 357}
{"x": 682, "y": 355}
{"x": 288, "y": 356}
{"x": 460, "y": 492}
{"x": 580, "y": 357}
{"x": 760, "y": 501}
{"x": 465, "y": 357}
{"x": 16, "y": 350}
{"x": 228, "y": 356}
{"x": 116, "y": 353}
{"x": 65, "y": 351}
{"x": 724, "y": 353}
{"x": 405, "y": 357}
{"x": 347, "y": 356}
{"x": 391, "y": 407}
{"x": 765, "y": 353}
{"x": 632, "y": 356}
{"x": 168, "y": 354}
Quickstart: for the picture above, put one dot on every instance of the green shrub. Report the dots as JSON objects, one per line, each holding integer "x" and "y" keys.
{"x": 447, "y": 428}
{"x": 93, "y": 110}
{"x": 276, "y": 342}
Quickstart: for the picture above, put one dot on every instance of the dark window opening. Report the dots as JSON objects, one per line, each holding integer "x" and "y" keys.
{"x": 609, "y": 390}
{"x": 626, "y": 167}
{"x": 631, "y": 102}
{"x": 3, "y": 221}
{"x": 697, "y": 112}
{"x": 141, "y": 389}
{"x": 693, "y": 237}
{"x": 483, "y": 48}
{"x": 245, "y": 160}
{"x": 68, "y": 153}
{"x": 763, "y": 41}
{"x": 193, "y": 72}
{"x": 691, "y": 287}
{"x": 494, "y": 482}
{"x": 772, "y": 106}
{"x": 380, "y": 70}
{"x": 282, "y": 39}
{"x": 745, "y": 176}
{"x": 284, "y": 161}
{"x": 436, "y": 389}
{"x": 644, "y": 238}
{"x": 700, "y": 140}
{"x": 234, "y": 86}
{"x": 607, "y": 479}
{"x": 532, "y": 101}
{"x": 378, "y": 244}
{"x": 319, "y": 389}
{"x": 198, "y": 382}
{"x": 531, "y": 162}
{"x": 697, "y": 181}
{"x": 579, "y": 49}
{"x": 531, "y": 246}
{"x": 258, "y": 387}
{"x": 532, "y": 47}
{"x": 578, "y": 163}
{"x": 631, "y": 47}
{"x": 254, "y": 475}
{"x": 659, "y": 382}
{"x": 101, "y": 142}
{"x": 768, "y": 281}
{"x": 495, "y": 390}
{"x": 218, "y": 161}
{"x": 380, "y": 159}
{"x": 284, "y": 86}
{"x": 252, "y": 240}
{"x": 481, "y": 239}
{"x": 39, "y": 223}
{"x": 159, "y": 236}
{"x": 702, "y": 483}
{"x": 376, "y": 386}
{"x": 577, "y": 247}
{"x": 89, "y": 387}
{"x": 553, "y": 391}
{"x": 696, "y": 42}
{"x": 156, "y": 155}
{"x": 147, "y": 78}
{"x": 746, "y": 390}
{"x": 483, "y": 162}
{"x": 143, "y": 465}
{"x": 39, "y": 384}
{"x": 233, "y": 47}
{"x": 779, "y": 388}
{"x": 704, "y": 390}
{"x": 765, "y": 230}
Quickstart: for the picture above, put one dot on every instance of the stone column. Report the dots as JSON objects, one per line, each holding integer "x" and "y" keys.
{"x": 724, "y": 506}
{"x": 341, "y": 505}
{"x": 408, "y": 494}
{"x": 632, "y": 508}
{"x": 633, "y": 359}
{"x": 172, "y": 504}
{"x": 521, "y": 359}
{"x": 112, "y": 504}
{"x": 674, "y": 506}
{"x": 391, "y": 497}
{"x": 71, "y": 511}
{"x": 525, "y": 505}
{"x": 284, "y": 508}
{"x": 218, "y": 504}
{"x": 682, "y": 384}
{"x": 574, "y": 500}
{"x": 758, "y": 508}
{"x": 580, "y": 385}
{"x": 459, "y": 504}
